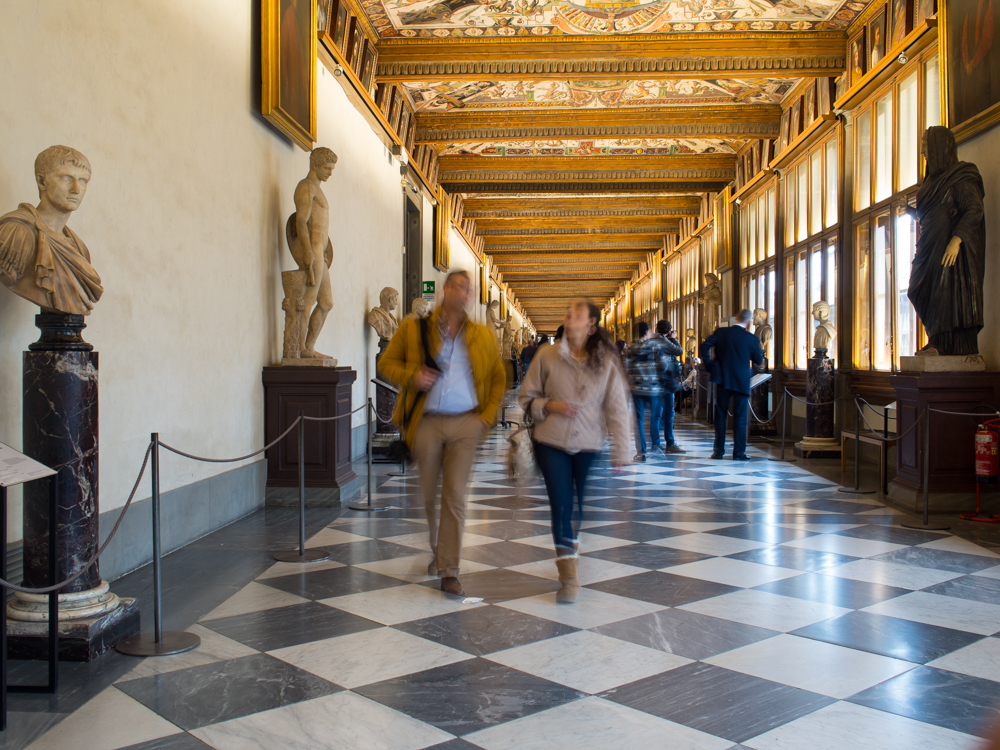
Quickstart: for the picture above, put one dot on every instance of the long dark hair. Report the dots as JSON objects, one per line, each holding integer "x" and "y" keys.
{"x": 599, "y": 344}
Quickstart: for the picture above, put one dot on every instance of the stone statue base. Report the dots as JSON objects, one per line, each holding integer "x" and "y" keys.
{"x": 819, "y": 440}
{"x": 308, "y": 362}
{"x": 943, "y": 363}
{"x": 79, "y": 640}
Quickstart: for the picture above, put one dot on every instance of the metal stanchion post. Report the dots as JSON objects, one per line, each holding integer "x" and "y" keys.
{"x": 158, "y": 643}
{"x": 926, "y": 525}
{"x": 856, "y": 489}
{"x": 368, "y": 505}
{"x": 302, "y": 555}
{"x": 784, "y": 427}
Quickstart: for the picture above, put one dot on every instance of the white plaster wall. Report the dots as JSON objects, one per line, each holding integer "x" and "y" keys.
{"x": 184, "y": 218}
{"x": 982, "y": 151}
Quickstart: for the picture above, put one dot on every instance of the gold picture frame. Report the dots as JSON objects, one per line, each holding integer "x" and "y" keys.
{"x": 288, "y": 68}
{"x": 978, "y": 109}
{"x": 442, "y": 231}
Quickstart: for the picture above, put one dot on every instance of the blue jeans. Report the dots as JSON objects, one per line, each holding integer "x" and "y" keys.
{"x": 668, "y": 419}
{"x": 562, "y": 471}
{"x": 741, "y": 402}
{"x": 655, "y": 406}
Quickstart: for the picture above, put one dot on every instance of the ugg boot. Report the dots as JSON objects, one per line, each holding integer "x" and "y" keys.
{"x": 569, "y": 577}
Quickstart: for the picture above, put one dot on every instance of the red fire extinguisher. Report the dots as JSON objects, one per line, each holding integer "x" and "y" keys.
{"x": 987, "y": 466}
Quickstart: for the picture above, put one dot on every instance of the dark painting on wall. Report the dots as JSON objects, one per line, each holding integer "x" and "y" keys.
{"x": 783, "y": 132}
{"x": 368, "y": 67}
{"x": 971, "y": 33}
{"x": 923, "y": 9}
{"x": 859, "y": 57}
{"x": 809, "y": 105}
{"x": 288, "y": 67}
{"x": 824, "y": 96}
{"x": 339, "y": 21}
{"x": 795, "y": 125}
{"x": 902, "y": 20}
{"x": 876, "y": 38}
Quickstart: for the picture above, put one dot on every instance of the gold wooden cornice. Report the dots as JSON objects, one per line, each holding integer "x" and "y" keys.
{"x": 570, "y": 206}
{"x": 480, "y": 185}
{"x": 724, "y": 122}
{"x": 583, "y": 214}
{"x": 646, "y": 57}
{"x": 567, "y": 223}
{"x": 582, "y": 230}
{"x": 529, "y": 246}
{"x": 512, "y": 260}
{"x": 599, "y": 163}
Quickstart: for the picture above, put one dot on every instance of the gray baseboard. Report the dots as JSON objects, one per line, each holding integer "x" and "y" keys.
{"x": 186, "y": 513}
{"x": 359, "y": 442}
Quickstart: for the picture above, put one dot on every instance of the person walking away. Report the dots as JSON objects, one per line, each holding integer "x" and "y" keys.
{"x": 528, "y": 353}
{"x": 443, "y": 411}
{"x": 646, "y": 364}
{"x": 671, "y": 384}
{"x": 735, "y": 349}
{"x": 576, "y": 393}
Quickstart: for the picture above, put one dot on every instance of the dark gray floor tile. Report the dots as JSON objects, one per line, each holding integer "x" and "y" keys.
{"x": 760, "y": 532}
{"x": 272, "y": 629}
{"x": 720, "y": 505}
{"x": 793, "y": 557}
{"x": 24, "y": 727}
{"x": 323, "y": 584}
{"x": 380, "y": 528}
{"x": 183, "y": 741}
{"x": 663, "y": 588}
{"x": 938, "y": 559}
{"x": 503, "y": 585}
{"x": 507, "y": 554}
{"x": 889, "y": 636}
{"x": 687, "y": 634}
{"x": 506, "y": 530}
{"x": 374, "y": 550}
{"x": 841, "y": 592}
{"x": 511, "y": 503}
{"x": 199, "y": 696}
{"x": 469, "y": 696}
{"x": 636, "y": 532}
{"x": 947, "y": 699}
{"x": 456, "y": 744}
{"x": 647, "y": 556}
{"x": 627, "y": 504}
{"x": 974, "y": 588}
{"x": 715, "y": 700}
{"x": 484, "y": 630}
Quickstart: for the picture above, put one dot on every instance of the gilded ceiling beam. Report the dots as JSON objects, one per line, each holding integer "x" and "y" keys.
{"x": 558, "y": 245}
{"x": 723, "y": 122}
{"x": 646, "y": 57}
{"x": 571, "y": 206}
{"x": 591, "y": 220}
{"x": 481, "y": 185}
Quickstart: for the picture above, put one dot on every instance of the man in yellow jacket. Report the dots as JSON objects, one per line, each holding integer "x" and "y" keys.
{"x": 443, "y": 410}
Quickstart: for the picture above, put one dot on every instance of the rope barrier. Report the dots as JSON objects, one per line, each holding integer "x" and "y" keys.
{"x": 774, "y": 416}
{"x": 967, "y": 413}
{"x": 92, "y": 560}
{"x": 823, "y": 403}
{"x": 339, "y": 416}
{"x": 232, "y": 460}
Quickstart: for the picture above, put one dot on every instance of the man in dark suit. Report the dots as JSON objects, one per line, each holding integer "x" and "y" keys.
{"x": 735, "y": 349}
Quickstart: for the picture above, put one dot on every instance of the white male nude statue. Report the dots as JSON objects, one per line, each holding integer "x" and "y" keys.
{"x": 307, "y": 232}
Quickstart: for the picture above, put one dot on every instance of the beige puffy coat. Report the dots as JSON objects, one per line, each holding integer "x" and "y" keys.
{"x": 602, "y": 396}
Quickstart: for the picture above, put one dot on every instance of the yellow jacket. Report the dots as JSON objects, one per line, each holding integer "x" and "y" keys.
{"x": 405, "y": 356}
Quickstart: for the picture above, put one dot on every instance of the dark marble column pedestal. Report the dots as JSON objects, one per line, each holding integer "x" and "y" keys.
{"x": 759, "y": 404}
{"x": 60, "y": 430}
{"x": 819, "y": 440}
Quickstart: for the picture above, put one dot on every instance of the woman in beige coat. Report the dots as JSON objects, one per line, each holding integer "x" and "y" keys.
{"x": 576, "y": 393}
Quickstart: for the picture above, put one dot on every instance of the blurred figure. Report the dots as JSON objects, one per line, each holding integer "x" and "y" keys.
{"x": 575, "y": 391}
{"x": 528, "y": 353}
{"x": 559, "y": 334}
{"x": 672, "y": 383}
{"x": 622, "y": 349}
{"x": 646, "y": 364}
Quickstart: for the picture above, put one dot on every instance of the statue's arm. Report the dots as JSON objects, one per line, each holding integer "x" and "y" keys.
{"x": 17, "y": 248}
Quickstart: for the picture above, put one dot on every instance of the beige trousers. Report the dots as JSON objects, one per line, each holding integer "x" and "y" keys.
{"x": 446, "y": 443}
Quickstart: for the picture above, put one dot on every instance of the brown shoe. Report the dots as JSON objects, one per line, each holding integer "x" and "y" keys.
{"x": 452, "y": 587}
{"x": 569, "y": 577}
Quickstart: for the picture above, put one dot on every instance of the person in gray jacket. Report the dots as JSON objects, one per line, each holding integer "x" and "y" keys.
{"x": 647, "y": 363}
{"x": 576, "y": 393}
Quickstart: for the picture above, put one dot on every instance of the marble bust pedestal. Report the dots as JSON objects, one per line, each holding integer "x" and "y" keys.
{"x": 60, "y": 430}
{"x": 820, "y": 440}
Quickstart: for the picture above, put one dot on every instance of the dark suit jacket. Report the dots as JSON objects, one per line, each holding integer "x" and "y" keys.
{"x": 735, "y": 349}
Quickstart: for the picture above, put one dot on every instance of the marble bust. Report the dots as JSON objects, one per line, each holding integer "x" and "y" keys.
{"x": 42, "y": 259}
{"x": 690, "y": 343}
{"x": 381, "y": 317}
{"x": 308, "y": 295}
{"x": 825, "y": 332}
{"x": 764, "y": 333}
{"x": 419, "y": 308}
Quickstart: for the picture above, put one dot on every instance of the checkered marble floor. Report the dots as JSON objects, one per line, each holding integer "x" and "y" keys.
{"x": 725, "y": 605}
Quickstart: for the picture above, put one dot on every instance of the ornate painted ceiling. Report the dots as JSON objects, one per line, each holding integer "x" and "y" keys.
{"x": 507, "y": 18}
{"x": 600, "y": 147}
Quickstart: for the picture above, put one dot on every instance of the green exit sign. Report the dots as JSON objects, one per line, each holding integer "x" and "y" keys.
{"x": 428, "y": 287}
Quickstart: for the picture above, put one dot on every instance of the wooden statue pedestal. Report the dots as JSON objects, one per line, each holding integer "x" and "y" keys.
{"x": 952, "y": 450}
{"x": 316, "y": 392}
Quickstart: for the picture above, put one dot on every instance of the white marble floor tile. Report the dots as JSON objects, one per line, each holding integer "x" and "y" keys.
{"x": 980, "y": 659}
{"x": 588, "y": 542}
{"x": 819, "y": 528}
{"x": 398, "y": 604}
{"x": 254, "y": 597}
{"x": 957, "y": 544}
{"x": 732, "y": 572}
{"x": 592, "y": 570}
{"x": 593, "y": 724}
{"x": 214, "y": 647}
{"x": 591, "y": 609}
{"x": 288, "y": 569}
{"x": 845, "y": 726}
{"x": 989, "y": 573}
{"x": 343, "y": 721}
{"x": 946, "y": 611}
{"x": 369, "y": 656}
{"x": 812, "y": 665}
{"x": 710, "y": 544}
{"x": 587, "y": 661}
{"x": 421, "y": 541}
{"x": 414, "y": 567}
{"x": 692, "y": 525}
{"x": 890, "y": 574}
{"x": 330, "y": 537}
{"x": 771, "y": 611}
{"x": 108, "y": 721}
{"x": 844, "y": 545}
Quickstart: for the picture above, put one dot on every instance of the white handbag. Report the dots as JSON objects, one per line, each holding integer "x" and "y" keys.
{"x": 522, "y": 466}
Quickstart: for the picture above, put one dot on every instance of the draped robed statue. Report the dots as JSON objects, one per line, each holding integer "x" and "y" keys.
{"x": 946, "y": 280}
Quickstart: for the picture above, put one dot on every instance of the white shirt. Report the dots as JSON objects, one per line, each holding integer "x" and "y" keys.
{"x": 454, "y": 392}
